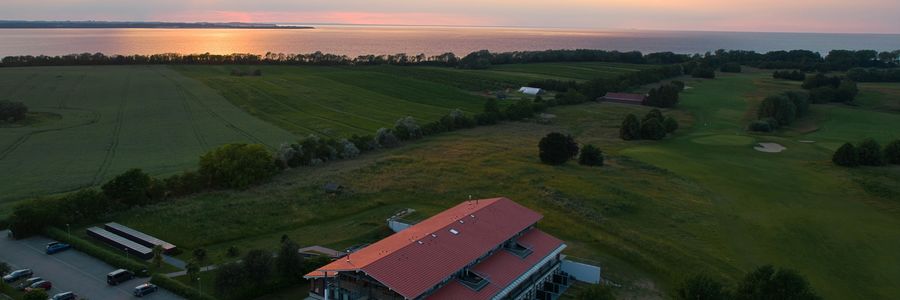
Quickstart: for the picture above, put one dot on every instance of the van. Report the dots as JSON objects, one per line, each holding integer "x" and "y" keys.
{"x": 119, "y": 276}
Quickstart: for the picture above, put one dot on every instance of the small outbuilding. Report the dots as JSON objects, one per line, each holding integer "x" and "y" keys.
{"x": 531, "y": 91}
{"x": 624, "y": 98}
{"x": 333, "y": 188}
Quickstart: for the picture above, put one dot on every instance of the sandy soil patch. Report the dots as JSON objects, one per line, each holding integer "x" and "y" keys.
{"x": 769, "y": 147}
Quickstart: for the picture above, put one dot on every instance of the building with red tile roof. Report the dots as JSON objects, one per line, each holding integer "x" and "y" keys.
{"x": 479, "y": 249}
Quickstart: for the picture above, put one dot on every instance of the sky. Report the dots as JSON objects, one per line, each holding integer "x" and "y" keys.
{"x": 829, "y": 16}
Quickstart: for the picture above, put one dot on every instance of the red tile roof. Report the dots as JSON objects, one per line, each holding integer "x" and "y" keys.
{"x": 414, "y": 260}
{"x": 503, "y": 267}
{"x": 624, "y": 97}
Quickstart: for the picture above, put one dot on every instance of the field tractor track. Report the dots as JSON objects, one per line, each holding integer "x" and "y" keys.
{"x": 182, "y": 94}
{"x": 95, "y": 117}
{"x": 222, "y": 119}
{"x": 117, "y": 129}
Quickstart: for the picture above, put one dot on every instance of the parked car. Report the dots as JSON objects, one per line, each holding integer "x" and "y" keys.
{"x": 28, "y": 282}
{"x": 144, "y": 289}
{"x": 43, "y": 284}
{"x": 64, "y": 296}
{"x": 119, "y": 276}
{"x": 56, "y": 247}
{"x": 17, "y": 275}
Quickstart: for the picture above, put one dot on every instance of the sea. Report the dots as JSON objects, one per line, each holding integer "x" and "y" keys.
{"x": 430, "y": 40}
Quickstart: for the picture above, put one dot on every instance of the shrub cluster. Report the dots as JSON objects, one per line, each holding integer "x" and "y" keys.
{"x": 703, "y": 72}
{"x": 230, "y": 166}
{"x": 654, "y": 126}
{"x": 874, "y": 75}
{"x": 794, "y": 75}
{"x": 827, "y": 89}
{"x": 664, "y": 96}
{"x": 260, "y": 271}
{"x": 867, "y": 153}
{"x": 557, "y": 148}
{"x": 780, "y": 110}
{"x": 12, "y": 111}
{"x": 765, "y": 282}
{"x": 590, "y": 156}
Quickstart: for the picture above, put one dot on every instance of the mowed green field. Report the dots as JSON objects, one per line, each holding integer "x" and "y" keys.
{"x": 702, "y": 201}
{"x": 110, "y": 119}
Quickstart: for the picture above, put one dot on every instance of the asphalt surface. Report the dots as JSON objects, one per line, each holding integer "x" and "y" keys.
{"x": 70, "y": 270}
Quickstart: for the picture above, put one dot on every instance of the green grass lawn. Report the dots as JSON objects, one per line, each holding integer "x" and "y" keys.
{"x": 701, "y": 201}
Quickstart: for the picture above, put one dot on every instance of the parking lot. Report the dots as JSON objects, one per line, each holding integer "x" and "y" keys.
{"x": 69, "y": 270}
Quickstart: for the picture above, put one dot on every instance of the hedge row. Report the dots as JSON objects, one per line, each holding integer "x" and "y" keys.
{"x": 98, "y": 252}
{"x": 178, "y": 288}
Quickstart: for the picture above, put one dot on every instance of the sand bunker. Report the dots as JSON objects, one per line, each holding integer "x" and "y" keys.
{"x": 769, "y": 147}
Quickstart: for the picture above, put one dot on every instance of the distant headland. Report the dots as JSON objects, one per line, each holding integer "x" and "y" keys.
{"x": 128, "y": 24}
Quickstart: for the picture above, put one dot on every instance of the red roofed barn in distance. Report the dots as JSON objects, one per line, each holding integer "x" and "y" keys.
{"x": 479, "y": 249}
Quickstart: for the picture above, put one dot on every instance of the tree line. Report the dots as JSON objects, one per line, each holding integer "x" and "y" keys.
{"x": 867, "y": 153}
{"x": 805, "y": 60}
{"x": 765, "y": 282}
{"x": 557, "y": 148}
{"x": 654, "y": 126}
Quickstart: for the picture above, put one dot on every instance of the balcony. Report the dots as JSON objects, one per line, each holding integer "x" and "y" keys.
{"x": 473, "y": 280}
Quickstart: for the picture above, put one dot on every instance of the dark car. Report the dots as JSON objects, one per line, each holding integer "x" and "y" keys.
{"x": 56, "y": 247}
{"x": 43, "y": 284}
{"x": 28, "y": 282}
{"x": 144, "y": 289}
{"x": 119, "y": 276}
{"x": 17, "y": 275}
{"x": 64, "y": 296}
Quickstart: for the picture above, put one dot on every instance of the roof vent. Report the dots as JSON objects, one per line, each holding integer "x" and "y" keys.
{"x": 420, "y": 242}
{"x": 461, "y": 221}
{"x": 454, "y": 231}
{"x": 473, "y": 216}
{"x": 433, "y": 235}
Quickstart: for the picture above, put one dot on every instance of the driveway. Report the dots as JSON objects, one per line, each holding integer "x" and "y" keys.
{"x": 69, "y": 270}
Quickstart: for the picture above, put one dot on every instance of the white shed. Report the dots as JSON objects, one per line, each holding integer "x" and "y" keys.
{"x": 530, "y": 91}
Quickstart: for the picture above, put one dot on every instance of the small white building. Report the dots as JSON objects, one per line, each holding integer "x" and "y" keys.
{"x": 531, "y": 91}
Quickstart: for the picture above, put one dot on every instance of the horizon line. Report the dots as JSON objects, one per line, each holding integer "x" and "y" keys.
{"x": 460, "y": 26}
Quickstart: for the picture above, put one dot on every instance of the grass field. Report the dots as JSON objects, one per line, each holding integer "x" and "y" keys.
{"x": 112, "y": 119}
{"x": 702, "y": 201}
{"x": 91, "y": 123}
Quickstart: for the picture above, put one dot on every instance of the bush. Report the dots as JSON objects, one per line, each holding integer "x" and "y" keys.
{"x": 670, "y": 124}
{"x": 800, "y": 100}
{"x": 406, "y": 128}
{"x": 178, "y": 288}
{"x": 702, "y": 287}
{"x": 590, "y": 156}
{"x": 556, "y": 148}
{"x": 846, "y": 156}
{"x": 631, "y": 128}
{"x": 825, "y": 94}
{"x": 12, "y": 111}
{"x": 821, "y": 80}
{"x": 233, "y": 251}
{"x": 522, "y": 109}
{"x": 870, "y": 153}
{"x": 730, "y": 68}
{"x": 571, "y": 96}
{"x": 768, "y": 283}
{"x": 678, "y": 83}
{"x": 289, "y": 262}
{"x": 386, "y": 138}
{"x": 779, "y": 108}
{"x": 653, "y": 130}
{"x": 846, "y": 91}
{"x": 105, "y": 254}
{"x": 131, "y": 188}
{"x": 36, "y": 294}
{"x": 789, "y": 75}
{"x": 237, "y": 166}
{"x": 653, "y": 114}
{"x": 229, "y": 277}
{"x": 257, "y": 265}
{"x": 760, "y": 126}
{"x": 892, "y": 153}
{"x": 665, "y": 95}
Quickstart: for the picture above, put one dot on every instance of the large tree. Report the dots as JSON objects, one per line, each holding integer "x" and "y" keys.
{"x": 590, "y": 156}
{"x": 631, "y": 128}
{"x": 556, "y": 148}
{"x": 653, "y": 130}
{"x": 257, "y": 266}
{"x": 870, "y": 153}
{"x": 289, "y": 261}
{"x": 237, "y": 165}
{"x": 846, "y": 156}
{"x": 12, "y": 111}
{"x": 131, "y": 187}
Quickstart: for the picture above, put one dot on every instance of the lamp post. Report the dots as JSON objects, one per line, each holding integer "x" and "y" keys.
{"x": 68, "y": 232}
{"x": 199, "y": 286}
{"x": 126, "y": 252}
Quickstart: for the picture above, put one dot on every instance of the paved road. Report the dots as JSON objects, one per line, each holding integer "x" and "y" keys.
{"x": 69, "y": 270}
